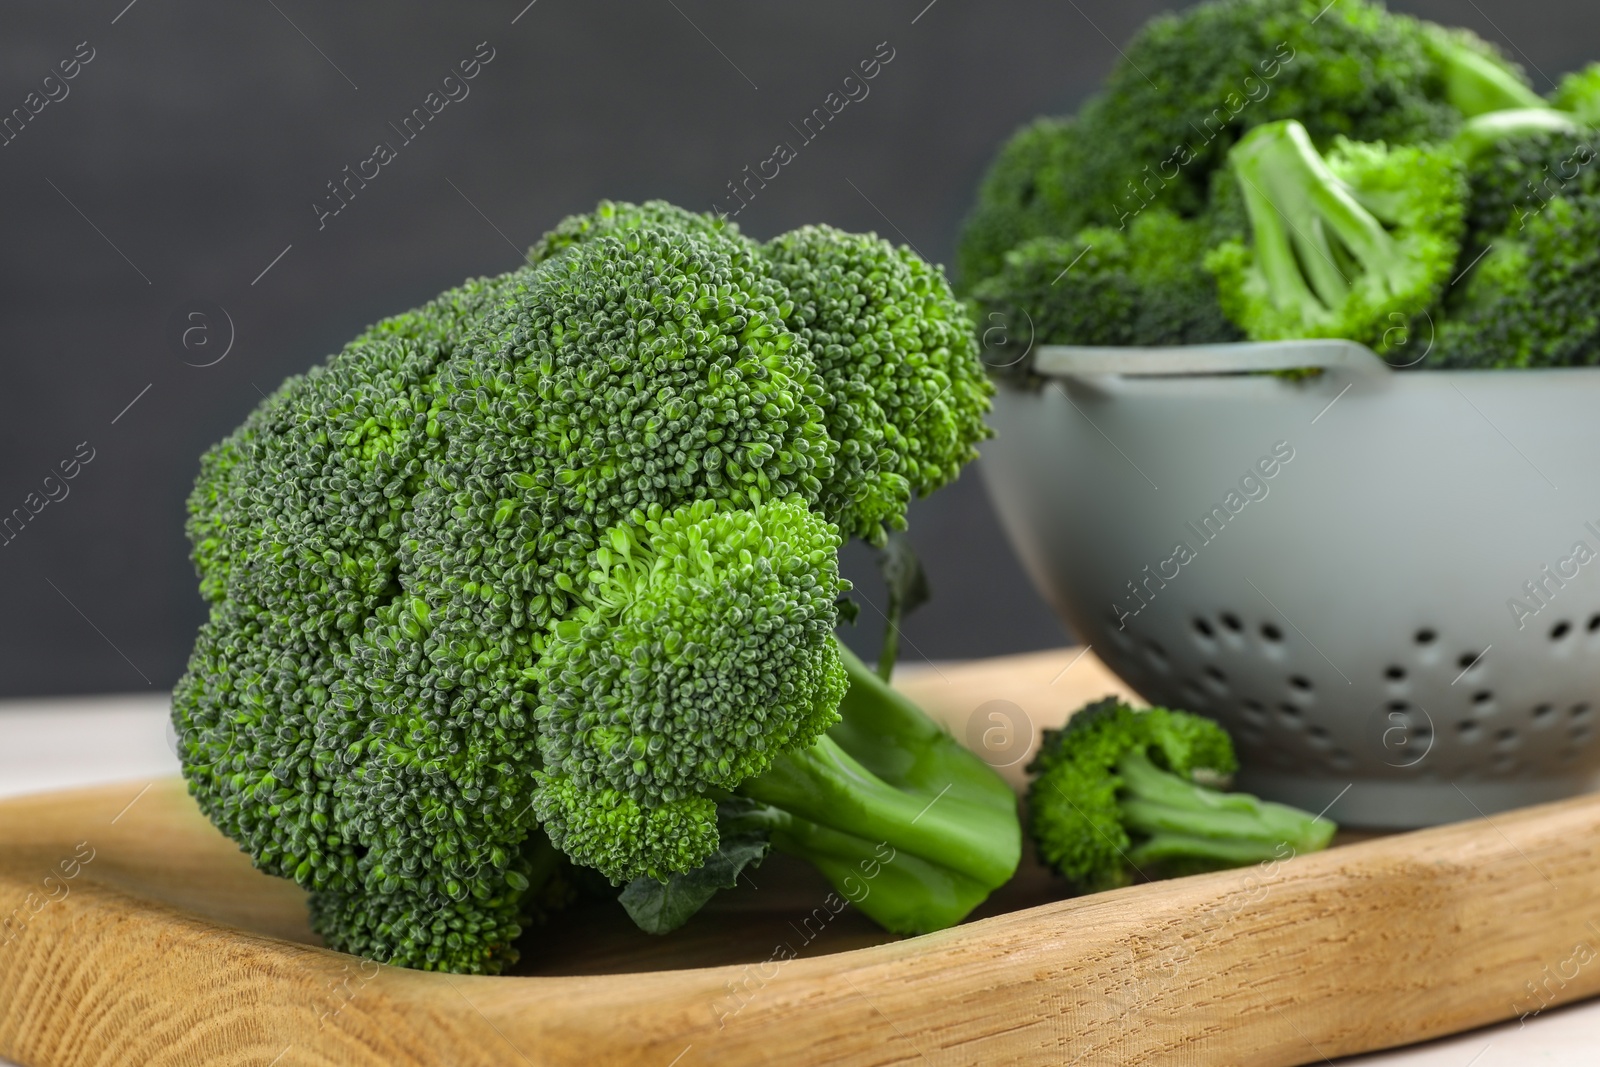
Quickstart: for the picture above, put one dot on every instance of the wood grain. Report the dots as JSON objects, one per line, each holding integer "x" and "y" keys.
{"x": 166, "y": 948}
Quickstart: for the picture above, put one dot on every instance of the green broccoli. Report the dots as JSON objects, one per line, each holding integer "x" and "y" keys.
{"x": 1193, "y": 82}
{"x": 615, "y": 218}
{"x": 1477, "y": 77}
{"x": 1025, "y": 193}
{"x": 904, "y": 394}
{"x": 1533, "y": 299}
{"x": 1119, "y": 792}
{"x": 1145, "y": 285}
{"x": 406, "y": 549}
{"x": 1354, "y": 245}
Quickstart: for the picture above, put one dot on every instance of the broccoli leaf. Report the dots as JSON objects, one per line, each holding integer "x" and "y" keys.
{"x": 662, "y": 907}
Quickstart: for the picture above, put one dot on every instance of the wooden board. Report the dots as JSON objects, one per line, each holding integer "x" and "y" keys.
{"x": 140, "y": 935}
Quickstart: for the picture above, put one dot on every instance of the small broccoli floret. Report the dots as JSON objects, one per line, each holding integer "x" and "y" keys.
{"x": 616, "y": 218}
{"x": 1516, "y": 162}
{"x": 1145, "y": 285}
{"x": 1024, "y": 193}
{"x": 1534, "y": 299}
{"x": 904, "y": 394}
{"x": 1354, "y": 245}
{"x": 701, "y": 651}
{"x": 1116, "y": 793}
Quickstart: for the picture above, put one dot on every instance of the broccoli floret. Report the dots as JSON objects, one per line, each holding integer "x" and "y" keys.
{"x": 1354, "y": 245}
{"x": 1118, "y": 792}
{"x": 1533, "y": 300}
{"x": 1477, "y": 77}
{"x": 908, "y": 825}
{"x": 1516, "y": 161}
{"x": 615, "y": 218}
{"x": 1145, "y": 285}
{"x": 703, "y": 649}
{"x": 904, "y": 394}
{"x": 1194, "y": 81}
{"x": 1024, "y": 193}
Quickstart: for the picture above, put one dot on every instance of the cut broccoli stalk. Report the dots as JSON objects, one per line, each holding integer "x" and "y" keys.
{"x": 905, "y": 822}
{"x": 1484, "y": 134}
{"x": 1303, "y": 217}
{"x": 1352, "y": 245}
{"x": 1188, "y": 823}
{"x": 1477, "y": 82}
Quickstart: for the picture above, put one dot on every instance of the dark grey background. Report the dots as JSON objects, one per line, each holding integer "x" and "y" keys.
{"x": 190, "y": 150}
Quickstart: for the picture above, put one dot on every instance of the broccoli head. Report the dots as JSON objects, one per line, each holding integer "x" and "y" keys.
{"x": 1194, "y": 81}
{"x": 1142, "y": 285}
{"x": 1353, "y": 245}
{"x": 904, "y": 395}
{"x": 388, "y": 539}
{"x": 1024, "y": 194}
{"x": 1533, "y": 300}
{"x": 1119, "y": 792}
{"x": 551, "y": 546}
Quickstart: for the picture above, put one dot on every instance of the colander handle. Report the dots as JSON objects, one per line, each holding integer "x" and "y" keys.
{"x": 1071, "y": 361}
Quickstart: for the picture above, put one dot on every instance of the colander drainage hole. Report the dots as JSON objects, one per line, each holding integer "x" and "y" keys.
{"x": 1582, "y": 713}
{"x": 1215, "y": 673}
{"x": 1254, "y": 713}
{"x": 1467, "y": 659}
{"x": 1426, "y": 637}
{"x": 1482, "y": 697}
{"x": 1203, "y": 628}
{"x": 1273, "y": 634}
{"x": 1594, "y": 623}
{"x": 1580, "y": 734}
{"x": 1301, "y": 683}
{"x": 1506, "y": 740}
{"x": 1319, "y": 737}
{"x": 1395, "y": 673}
{"x": 1469, "y": 731}
{"x": 1560, "y": 630}
{"x": 1231, "y": 621}
{"x": 1156, "y": 655}
{"x": 1289, "y": 715}
{"x": 1544, "y": 714}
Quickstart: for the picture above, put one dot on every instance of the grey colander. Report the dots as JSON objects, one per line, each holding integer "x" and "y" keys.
{"x": 1385, "y": 584}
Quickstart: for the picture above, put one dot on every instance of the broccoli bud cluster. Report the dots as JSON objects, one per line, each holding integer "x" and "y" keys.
{"x": 558, "y": 547}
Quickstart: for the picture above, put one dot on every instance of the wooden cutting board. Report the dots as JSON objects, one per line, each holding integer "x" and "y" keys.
{"x": 139, "y": 935}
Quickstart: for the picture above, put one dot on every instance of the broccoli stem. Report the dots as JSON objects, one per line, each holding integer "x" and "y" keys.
{"x": 906, "y": 823}
{"x": 890, "y": 651}
{"x": 1476, "y": 84}
{"x": 1484, "y": 134}
{"x": 1196, "y": 826}
{"x": 1309, "y": 227}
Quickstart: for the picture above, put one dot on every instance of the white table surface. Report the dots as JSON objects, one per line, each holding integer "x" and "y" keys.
{"x": 65, "y": 742}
